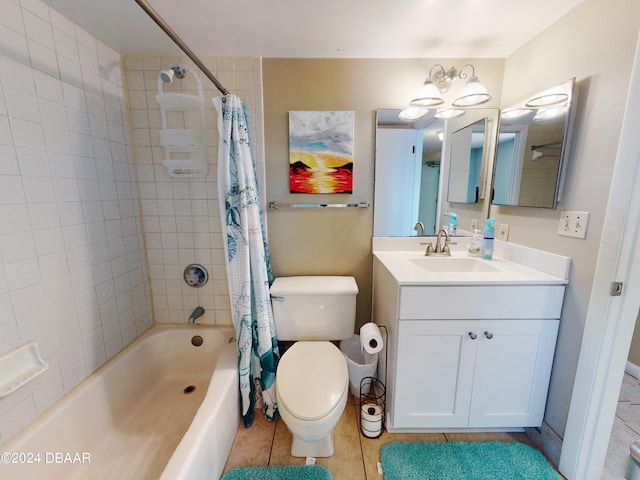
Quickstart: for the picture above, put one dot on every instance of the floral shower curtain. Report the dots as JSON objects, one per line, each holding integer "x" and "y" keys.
{"x": 248, "y": 264}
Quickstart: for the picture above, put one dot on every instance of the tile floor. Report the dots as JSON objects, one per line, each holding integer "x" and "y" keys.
{"x": 626, "y": 429}
{"x": 356, "y": 456}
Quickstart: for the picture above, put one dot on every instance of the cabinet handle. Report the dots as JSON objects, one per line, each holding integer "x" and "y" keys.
{"x": 473, "y": 336}
{"x": 489, "y": 335}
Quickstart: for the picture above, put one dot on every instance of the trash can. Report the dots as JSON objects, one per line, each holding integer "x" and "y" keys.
{"x": 360, "y": 363}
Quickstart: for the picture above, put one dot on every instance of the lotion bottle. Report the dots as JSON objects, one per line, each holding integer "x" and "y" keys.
{"x": 486, "y": 251}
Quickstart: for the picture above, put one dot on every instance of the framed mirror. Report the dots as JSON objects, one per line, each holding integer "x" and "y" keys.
{"x": 413, "y": 171}
{"x": 533, "y": 142}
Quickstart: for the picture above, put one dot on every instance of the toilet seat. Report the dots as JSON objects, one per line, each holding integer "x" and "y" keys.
{"x": 312, "y": 378}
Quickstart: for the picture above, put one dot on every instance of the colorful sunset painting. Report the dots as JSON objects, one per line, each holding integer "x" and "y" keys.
{"x": 321, "y": 152}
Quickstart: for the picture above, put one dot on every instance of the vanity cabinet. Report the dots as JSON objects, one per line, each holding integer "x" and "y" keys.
{"x": 466, "y": 356}
{"x": 472, "y": 373}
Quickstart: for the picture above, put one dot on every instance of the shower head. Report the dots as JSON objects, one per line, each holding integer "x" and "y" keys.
{"x": 167, "y": 74}
{"x": 537, "y": 155}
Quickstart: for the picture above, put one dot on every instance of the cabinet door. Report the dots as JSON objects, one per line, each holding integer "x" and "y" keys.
{"x": 434, "y": 374}
{"x": 512, "y": 369}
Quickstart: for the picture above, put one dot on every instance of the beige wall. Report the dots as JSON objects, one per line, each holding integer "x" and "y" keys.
{"x": 337, "y": 241}
{"x": 594, "y": 43}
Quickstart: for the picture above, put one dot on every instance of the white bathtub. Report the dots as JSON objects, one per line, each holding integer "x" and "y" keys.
{"x": 132, "y": 419}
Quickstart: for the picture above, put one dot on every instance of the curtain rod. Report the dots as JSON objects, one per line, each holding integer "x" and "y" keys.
{"x": 183, "y": 46}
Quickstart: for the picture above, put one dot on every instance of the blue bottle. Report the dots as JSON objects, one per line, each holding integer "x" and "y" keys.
{"x": 486, "y": 251}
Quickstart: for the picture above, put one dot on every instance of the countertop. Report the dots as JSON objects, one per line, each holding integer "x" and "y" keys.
{"x": 534, "y": 267}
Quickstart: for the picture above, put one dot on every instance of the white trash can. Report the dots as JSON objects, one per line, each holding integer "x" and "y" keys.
{"x": 360, "y": 363}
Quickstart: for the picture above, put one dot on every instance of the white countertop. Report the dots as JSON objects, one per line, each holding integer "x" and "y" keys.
{"x": 533, "y": 267}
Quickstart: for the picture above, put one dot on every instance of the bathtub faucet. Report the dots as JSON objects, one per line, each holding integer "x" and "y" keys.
{"x": 199, "y": 311}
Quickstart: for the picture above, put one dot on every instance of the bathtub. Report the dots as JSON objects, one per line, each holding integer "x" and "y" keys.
{"x": 162, "y": 408}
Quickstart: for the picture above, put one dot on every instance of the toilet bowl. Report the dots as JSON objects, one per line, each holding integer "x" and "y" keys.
{"x": 312, "y": 378}
{"x": 312, "y": 390}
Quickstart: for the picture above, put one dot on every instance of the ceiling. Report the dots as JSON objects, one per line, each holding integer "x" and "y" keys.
{"x": 321, "y": 29}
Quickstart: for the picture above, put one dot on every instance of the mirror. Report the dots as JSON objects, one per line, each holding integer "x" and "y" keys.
{"x": 465, "y": 168}
{"x": 414, "y": 173}
{"x": 533, "y": 142}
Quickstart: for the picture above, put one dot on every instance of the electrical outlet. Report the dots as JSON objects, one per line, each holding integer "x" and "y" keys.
{"x": 573, "y": 224}
{"x": 446, "y": 208}
{"x": 474, "y": 224}
{"x": 503, "y": 232}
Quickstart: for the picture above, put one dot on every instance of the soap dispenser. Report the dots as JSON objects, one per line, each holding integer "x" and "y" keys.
{"x": 475, "y": 244}
{"x": 486, "y": 251}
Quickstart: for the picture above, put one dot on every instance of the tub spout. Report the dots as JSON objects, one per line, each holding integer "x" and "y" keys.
{"x": 199, "y": 311}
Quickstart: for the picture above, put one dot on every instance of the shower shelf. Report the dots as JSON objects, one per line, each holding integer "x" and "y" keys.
{"x": 182, "y": 140}
{"x": 185, "y": 148}
{"x": 19, "y": 367}
{"x": 179, "y": 101}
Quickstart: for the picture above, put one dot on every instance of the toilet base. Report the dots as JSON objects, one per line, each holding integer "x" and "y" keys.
{"x": 324, "y": 447}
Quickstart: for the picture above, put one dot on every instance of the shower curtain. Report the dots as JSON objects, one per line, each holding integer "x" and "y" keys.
{"x": 248, "y": 264}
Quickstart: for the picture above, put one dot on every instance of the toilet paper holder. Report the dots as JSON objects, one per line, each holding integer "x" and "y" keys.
{"x": 372, "y": 407}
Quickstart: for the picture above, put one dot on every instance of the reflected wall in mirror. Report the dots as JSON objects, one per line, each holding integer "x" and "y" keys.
{"x": 533, "y": 143}
{"x": 411, "y": 175}
{"x": 465, "y": 169}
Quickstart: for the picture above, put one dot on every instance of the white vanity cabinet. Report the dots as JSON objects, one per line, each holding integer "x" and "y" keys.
{"x": 472, "y": 374}
{"x": 466, "y": 356}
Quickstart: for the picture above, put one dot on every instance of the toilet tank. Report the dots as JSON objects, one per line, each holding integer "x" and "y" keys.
{"x": 314, "y": 308}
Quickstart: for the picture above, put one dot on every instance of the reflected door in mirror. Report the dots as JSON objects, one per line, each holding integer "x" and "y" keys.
{"x": 397, "y": 181}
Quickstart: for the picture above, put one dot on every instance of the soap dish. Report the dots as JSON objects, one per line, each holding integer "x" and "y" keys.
{"x": 20, "y": 366}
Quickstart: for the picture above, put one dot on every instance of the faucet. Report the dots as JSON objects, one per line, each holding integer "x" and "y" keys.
{"x": 419, "y": 227}
{"x": 439, "y": 250}
{"x": 199, "y": 311}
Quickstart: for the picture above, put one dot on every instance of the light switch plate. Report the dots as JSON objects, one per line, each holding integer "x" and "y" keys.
{"x": 573, "y": 224}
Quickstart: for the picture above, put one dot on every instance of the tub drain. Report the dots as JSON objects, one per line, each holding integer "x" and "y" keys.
{"x": 188, "y": 389}
{"x": 197, "y": 340}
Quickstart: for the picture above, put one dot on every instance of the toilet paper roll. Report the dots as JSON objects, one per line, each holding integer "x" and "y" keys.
{"x": 370, "y": 338}
{"x": 371, "y": 420}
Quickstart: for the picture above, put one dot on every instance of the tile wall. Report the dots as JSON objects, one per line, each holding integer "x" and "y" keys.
{"x": 539, "y": 176}
{"x": 73, "y": 275}
{"x": 181, "y": 215}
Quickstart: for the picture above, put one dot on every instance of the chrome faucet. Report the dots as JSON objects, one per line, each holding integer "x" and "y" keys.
{"x": 439, "y": 250}
{"x": 199, "y": 311}
{"x": 419, "y": 227}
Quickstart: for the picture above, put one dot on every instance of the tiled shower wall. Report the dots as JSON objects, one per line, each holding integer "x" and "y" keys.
{"x": 181, "y": 215}
{"x": 73, "y": 272}
{"x": 73, "y": 276}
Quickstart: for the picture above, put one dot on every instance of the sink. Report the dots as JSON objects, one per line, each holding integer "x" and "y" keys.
{"x": 453, "y": 264}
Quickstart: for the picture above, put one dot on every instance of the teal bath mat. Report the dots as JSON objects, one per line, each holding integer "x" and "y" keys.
{"x": 464, "y": 461}
{"x": 288, "y": 472}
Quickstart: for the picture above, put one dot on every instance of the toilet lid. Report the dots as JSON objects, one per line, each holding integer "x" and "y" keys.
{"x": 312, "y": 377}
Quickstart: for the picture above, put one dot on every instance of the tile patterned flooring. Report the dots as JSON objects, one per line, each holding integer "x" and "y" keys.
{"x": 626, "y": 429}
{"x": 356, "y": 456}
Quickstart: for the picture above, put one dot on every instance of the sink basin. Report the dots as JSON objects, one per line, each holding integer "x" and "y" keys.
{"x": 453, "y": 264}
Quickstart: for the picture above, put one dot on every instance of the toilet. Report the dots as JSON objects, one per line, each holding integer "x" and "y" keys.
{"x": 312, "y": 379}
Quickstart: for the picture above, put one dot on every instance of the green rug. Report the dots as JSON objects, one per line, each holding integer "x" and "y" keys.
{"x": 288, "y": 472}
{"x": 464, "y": 461}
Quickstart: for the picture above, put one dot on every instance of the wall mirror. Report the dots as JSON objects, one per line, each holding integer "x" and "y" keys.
{"x": 413, "y": 172}
{"x": 533, "y": 143}
{"x": 465, "y": 168}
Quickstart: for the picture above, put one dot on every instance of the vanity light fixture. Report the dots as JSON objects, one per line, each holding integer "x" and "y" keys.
{"x": 445, "y": 113}
{"x": 515, "y": 112}
{"x": 412, "y": 113}
{"x": 440, "y": 80}
{"x": 547, "y": 99}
